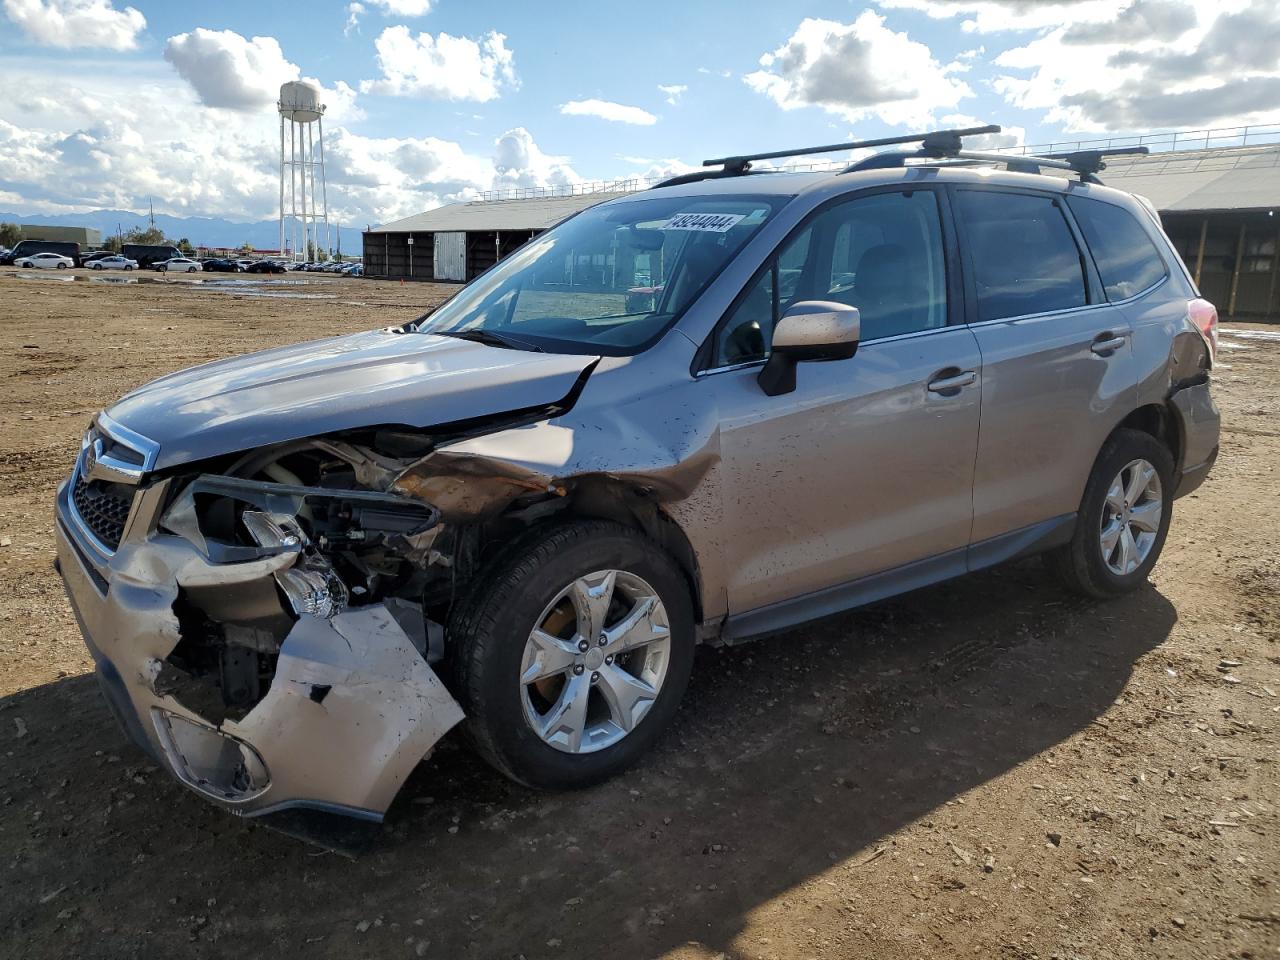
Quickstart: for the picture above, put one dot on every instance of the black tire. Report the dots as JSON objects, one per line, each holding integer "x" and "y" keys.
{"x": 489, "y": 629}
{"x": 1079, "y": 564}
{"x": 62, "y": 266}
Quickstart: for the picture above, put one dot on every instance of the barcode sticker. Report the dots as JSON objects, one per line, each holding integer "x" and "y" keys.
{"x": 707, "y": 222}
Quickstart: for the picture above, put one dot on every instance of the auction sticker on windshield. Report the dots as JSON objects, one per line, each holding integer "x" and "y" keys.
{"x": 707, "y": 222}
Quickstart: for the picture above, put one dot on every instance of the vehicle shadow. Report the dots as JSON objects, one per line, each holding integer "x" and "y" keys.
{"x": 791, "y": 757}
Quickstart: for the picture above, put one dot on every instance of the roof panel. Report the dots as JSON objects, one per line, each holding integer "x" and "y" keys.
{"x": 1240, "y": 178}
{"x": 535, "y": 213}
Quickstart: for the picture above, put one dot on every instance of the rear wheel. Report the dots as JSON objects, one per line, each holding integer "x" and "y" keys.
{"x": 572, "y": 656}
{"x": 1123, "y": 519}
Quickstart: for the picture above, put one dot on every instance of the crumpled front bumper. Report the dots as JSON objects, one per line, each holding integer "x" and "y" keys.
{"x": 352, "y": 707}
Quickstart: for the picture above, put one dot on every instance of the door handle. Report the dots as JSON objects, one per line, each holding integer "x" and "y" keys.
{"x": 953, "y": 382}
{"x": 1107, "y": 343}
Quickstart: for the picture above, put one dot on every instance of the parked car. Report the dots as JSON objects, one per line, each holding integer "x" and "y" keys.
{"x": 112, "y": 262}
{"x": 222, "y": 265}
{"x": 298, "y": 569}
{"x": 94, "y": 255}
{"x": 178, "y": 265}
{"x": 354, "y": 270}
{"x": 45, "y": 261}
{"x": 265, "y": 266}
{"x": 150, "y": 254}
{"x": 27, "y": 248}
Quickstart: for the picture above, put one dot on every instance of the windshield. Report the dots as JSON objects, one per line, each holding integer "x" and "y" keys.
{"x": 610, "y": 280}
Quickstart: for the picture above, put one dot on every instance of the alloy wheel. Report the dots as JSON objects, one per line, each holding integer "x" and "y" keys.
{"x": 595, "y": 661}
{"x": 1131, "y": 517}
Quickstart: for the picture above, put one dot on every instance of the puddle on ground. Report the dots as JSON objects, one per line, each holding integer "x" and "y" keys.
{"x": 1273, "y": 335}
{"x": 237, "y": 286}
{"x": 278, "y": 294}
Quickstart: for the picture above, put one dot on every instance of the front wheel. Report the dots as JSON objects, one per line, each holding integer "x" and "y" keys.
{"x": 127, "y": 269}
{"x": 571, "y": 656}
{"x": 1123, "y": 519}
{"x": 62, "y": 266}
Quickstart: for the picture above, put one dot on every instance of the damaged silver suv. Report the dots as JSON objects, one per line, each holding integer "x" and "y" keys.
{"x": 704, "y": 412}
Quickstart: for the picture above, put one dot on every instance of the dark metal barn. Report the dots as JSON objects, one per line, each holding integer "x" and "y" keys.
{"x": 460, "y": 241}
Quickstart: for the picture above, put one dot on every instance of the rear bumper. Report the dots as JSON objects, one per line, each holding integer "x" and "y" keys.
{"x": 1200, "y": 430}
{"x": 351, "y": 709}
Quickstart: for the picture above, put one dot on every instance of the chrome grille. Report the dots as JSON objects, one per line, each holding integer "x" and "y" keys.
{"x": 102, "y": 508}
{"x": 113, "y": 461}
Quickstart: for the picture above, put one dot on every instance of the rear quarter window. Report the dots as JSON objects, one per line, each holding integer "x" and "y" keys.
{"x": 1128, "y": 261}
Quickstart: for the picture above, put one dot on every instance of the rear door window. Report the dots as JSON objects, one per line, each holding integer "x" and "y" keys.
{"x": 1127, "y": 260}
{"x": 1024, "y": 257}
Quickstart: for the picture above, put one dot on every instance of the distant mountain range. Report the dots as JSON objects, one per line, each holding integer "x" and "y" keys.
{"x": 201, "y": 231}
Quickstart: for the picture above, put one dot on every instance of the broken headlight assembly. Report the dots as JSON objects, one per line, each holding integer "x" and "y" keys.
{"x": 350, "y": 546}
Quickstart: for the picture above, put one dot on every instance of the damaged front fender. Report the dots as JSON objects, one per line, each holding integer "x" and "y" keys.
{"x": 351, "y": 707}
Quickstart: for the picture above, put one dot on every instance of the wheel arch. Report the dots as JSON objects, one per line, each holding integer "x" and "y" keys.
{"x": 1159, "y": 421}
{"x": 601, "y": 497}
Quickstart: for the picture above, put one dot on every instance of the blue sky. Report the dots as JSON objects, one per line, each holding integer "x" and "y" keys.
{"x": 109, "y": 103}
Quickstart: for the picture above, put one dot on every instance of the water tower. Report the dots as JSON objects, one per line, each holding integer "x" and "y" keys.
{"x": 301, "y": 165}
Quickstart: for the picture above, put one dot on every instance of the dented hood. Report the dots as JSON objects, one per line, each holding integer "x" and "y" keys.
{"x": 361, "y": 380}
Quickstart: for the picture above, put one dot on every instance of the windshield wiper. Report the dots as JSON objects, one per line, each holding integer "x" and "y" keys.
{"x": 489, "y": 338}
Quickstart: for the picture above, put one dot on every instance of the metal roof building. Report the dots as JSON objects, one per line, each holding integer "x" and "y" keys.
{"x": 1219, "y": 206}
{"x": 1202, "y": 181}
{"x": 462, "y": 240}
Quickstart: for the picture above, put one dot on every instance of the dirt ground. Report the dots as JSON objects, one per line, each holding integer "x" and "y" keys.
{"x": 986, "y": 768}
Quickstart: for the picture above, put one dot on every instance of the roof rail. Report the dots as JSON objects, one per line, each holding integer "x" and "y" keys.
{"x": 936, "y": 143}
{"x": 1086, "y": 163}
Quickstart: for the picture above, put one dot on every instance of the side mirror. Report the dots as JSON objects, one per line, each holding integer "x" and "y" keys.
{"x": 809, "y": 330}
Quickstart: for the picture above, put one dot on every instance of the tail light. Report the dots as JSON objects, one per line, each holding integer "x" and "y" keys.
{"x": 1205, "y": 316}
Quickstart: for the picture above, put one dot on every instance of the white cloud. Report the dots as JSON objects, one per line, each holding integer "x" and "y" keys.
{"x": 113, "y": 140}
{"x": 996, "y": 16}
{"x": 442, "y": 67}
{"x": 672, "y": 91}
{"x": 389, "y": 8}
{"x": 660, "y": 169}
{"x": 1128, "y": 73}
{"x": 1009, "y": 136}
{"x": 608, "y": 110}
{"x": 859, "y": 70}
{"x": 519, "y": 162}
{"x": 403, "y": 8}
{"x": 77, "y": 23}
{"x": 226, "y": 70}
{"x": 354, "y": 12}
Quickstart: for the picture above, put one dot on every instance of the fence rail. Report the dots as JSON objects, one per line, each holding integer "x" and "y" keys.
{"x": 1210, "y": 138}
